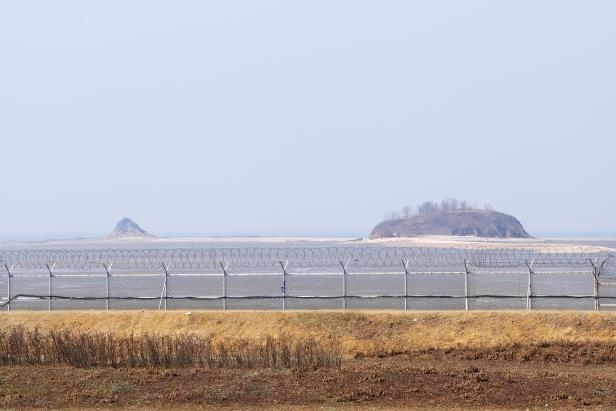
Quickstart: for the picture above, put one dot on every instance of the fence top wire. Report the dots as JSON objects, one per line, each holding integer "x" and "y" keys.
{"x": 355, "y": 257}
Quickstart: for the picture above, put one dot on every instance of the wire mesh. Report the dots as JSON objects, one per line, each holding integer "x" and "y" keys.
{"x": 321, "y": 277}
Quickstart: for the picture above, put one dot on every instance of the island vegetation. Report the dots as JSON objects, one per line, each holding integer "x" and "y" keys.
{"x": 449, "y": 217}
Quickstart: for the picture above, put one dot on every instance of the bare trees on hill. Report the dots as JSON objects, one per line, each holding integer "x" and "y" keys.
{"x": 428, "y": 207}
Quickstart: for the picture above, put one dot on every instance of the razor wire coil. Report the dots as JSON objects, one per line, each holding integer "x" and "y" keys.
{"x": 299, "y": 258}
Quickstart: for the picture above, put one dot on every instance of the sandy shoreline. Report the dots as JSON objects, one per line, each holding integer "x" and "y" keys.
{"x": 541, "y": 245}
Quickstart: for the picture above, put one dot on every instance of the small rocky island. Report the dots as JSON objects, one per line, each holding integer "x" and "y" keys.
{"x": 454, "y": 219}
{"x": 128, "y": 228}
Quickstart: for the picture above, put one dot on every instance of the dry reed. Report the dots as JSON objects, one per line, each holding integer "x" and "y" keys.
{"x": 19, "y": 346}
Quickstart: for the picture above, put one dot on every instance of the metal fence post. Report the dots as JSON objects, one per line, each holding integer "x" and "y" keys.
{"x": 283, "y": 289}
{"x": 596, "y": 294}
{"x": 466, "y": 272}
{"x": 224, "y": 284}
{"x": 529, "y": 290}
{"x": 8, "y": 286}
{"x": 50, "y": 269}
{"x": 344, "y": 283}
{"x": 405, "y": 264}
{"x": 163, "y": 296}
{"x": 107, "y": 268}
{"x": 597, "y": 270}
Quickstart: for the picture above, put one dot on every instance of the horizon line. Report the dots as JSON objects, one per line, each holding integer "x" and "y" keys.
{"x": 48, "y": 237}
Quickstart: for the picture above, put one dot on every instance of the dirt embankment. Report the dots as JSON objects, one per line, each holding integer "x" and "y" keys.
{"x": 417, "y": 360}
{"x": 358, "y": 332}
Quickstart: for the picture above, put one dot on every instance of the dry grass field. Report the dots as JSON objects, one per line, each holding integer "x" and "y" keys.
{"x": 420, "y": 360}
{"x": 363, "y": 332}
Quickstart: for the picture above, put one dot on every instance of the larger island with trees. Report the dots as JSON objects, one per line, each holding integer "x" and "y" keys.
{"x": 450, "y": 217}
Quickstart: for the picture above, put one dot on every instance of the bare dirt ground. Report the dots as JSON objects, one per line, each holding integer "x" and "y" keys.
{"x": 441, "y": 360}
{"x": 557, "y": 377}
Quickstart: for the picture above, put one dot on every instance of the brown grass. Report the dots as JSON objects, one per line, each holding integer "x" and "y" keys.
{"x": 22, "y": 346}
{"x": 365, "y": 332}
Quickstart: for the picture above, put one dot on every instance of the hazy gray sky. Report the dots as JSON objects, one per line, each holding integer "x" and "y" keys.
{"x": 313, "y": 117}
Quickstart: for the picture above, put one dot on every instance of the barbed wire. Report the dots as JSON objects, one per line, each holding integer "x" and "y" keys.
{"x": 367, "y": 257}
